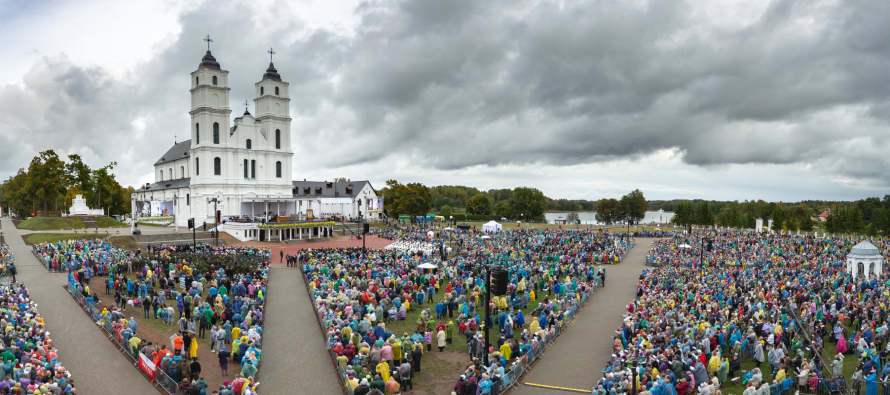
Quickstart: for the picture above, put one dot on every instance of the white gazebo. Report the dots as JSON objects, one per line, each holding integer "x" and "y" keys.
{"x": 866, "y": 255}
{"x": 492, "y": 227}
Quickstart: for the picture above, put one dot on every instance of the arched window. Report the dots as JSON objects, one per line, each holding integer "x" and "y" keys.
{"x": 277, "y": 138}
{"x": 197, "y": 133}
{"x": 261, "y": 91}
{"x": 170, "y": 172}
{"x": 278, "y": 169}
{"x": 248, "y": 144}
{"x": 215, "y": 133}
{"x": 245, "y": 168}
{"x": 252, "y": 168}
{"x": 217, "y": 166}
{"x": 181, "y": 171}
{"x": 214, "y": 80}
{"x": 196, "y": 81}
{"x": 162, "y": 176}
{"x": 188, "y": 199}
{"x": 197, "y": 167}
{"x": 276, "y": 91}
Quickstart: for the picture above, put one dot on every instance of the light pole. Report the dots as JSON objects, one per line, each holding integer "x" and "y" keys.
{"x": 215, "y": 201}
{"x": 175, "y": 223}
{"x": 361, "y": 220}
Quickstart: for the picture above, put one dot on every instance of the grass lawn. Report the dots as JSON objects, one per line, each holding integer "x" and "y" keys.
{"x": 127, "y": 242}
{"x": 36, "y": 238}
{"x": 109, "y": 222}
{"x": 51, "y": 223}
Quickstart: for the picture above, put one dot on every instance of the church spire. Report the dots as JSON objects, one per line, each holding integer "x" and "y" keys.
{"x": 271, "y": 73}
{"x": 208, "y": 60}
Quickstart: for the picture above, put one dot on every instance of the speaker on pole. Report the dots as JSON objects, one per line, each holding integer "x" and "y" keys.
{"x": 499, "y": 281}
{"x": 366, "y": 227}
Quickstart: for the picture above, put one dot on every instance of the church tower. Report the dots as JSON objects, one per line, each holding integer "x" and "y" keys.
{"x": 272, "y": 105}
{"x": 209, "y": 119}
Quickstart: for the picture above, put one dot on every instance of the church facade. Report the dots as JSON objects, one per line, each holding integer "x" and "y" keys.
{"x": 238, "y": 172}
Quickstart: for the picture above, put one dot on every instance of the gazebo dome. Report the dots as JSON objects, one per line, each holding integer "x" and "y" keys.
{"x": 865, "y": 249}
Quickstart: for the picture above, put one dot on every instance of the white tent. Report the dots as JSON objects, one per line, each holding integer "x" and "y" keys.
{"x": 486, "y": 237}
{"x": 427, "y": 265}
{"x": 492, "y": 227}
{"x": 684, "y": 246}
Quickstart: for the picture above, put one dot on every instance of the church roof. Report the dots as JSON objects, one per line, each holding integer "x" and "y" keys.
{"x": 169, "y": 184}
{"x": 865, "y": 249}
{"x": 209, "y": 61}
{"x": 328, "y": 189}
{"x": 177, "y": 151}
{"x": 271, "y": 73}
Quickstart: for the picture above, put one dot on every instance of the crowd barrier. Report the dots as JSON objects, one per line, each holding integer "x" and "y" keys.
{"x": 517, "y": 369}
{"x": 341, "y": 373}
{"x": 161, "y": 381}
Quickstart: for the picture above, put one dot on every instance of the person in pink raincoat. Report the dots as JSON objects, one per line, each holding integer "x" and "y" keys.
{"x": 841, "y": 346}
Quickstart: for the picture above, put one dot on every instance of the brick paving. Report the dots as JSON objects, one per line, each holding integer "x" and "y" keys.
{"x": 372, "y": 243}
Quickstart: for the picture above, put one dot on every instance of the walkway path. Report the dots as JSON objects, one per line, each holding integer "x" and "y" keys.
{"x": 295, "y": 359}
{"x": 95, "y": 364}
{"x": 578, "y": 356}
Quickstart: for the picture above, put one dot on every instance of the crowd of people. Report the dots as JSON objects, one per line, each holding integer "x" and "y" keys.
{"x": 29, "y": 361}
{"x": 756, "y": 312}
{"x": 213, "y": 293}
{"x": 357, "y": 294}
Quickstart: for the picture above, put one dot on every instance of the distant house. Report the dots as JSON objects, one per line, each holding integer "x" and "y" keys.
{"x": 823, "y": 216}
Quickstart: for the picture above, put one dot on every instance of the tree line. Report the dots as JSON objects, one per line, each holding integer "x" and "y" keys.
{"x": 417, "y": 199}
{"x": 49, "y": 184}
{"x": 520, "y": 203}
{"x": 870, "y": 216}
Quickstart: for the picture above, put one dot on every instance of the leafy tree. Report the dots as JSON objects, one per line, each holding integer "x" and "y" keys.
{"x": 528, "y": 203}
{"x": 685, "y": 214}
{"x": 50, "y": 183}
{"x": 445, "y": 211}
{"x": 703, "y": 214}
{"x": 503, "y": 209}
{"x": 479, "y": 204}
{"x": 633, "y": 207}
{"x": 409, "y": 199}
{"x": 608, "y": 211}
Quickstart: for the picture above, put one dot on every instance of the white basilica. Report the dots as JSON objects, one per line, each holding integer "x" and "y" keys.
{"x": 243, "y": 169}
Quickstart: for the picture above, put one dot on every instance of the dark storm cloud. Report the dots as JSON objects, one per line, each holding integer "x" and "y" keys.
{"x": 518, "y": 82}
{"x": 453, "y": 84}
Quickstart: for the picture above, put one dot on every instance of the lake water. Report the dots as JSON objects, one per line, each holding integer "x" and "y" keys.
{"x": 589, "y": 217}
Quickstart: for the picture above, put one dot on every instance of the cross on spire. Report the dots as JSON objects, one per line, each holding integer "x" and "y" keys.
{"x": 208, "y": 42}
{"x": 271, "y": 52}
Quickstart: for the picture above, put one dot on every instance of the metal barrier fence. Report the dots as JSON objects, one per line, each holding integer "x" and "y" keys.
{"x": 161, "y": 381}
{"x": 512, "y": 375}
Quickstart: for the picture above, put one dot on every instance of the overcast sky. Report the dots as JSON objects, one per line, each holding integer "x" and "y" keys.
{"x": 730, "y": 100}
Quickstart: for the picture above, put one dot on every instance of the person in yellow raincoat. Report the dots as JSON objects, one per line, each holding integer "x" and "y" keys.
{"x": 714, "y": 363}
{"x": 193, "y": 348}
{"x": 383, "y": 369}
{"x": 506, "y": 351}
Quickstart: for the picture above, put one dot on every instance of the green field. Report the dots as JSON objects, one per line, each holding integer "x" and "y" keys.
{"x": 109, "y": 222}
{"x": 35, "y": 238}
{"x": 60, "y": 223}
{"x": 51, "y": 223}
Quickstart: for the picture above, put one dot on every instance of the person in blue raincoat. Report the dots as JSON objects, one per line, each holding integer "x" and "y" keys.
{"x": 871, "y": 383}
